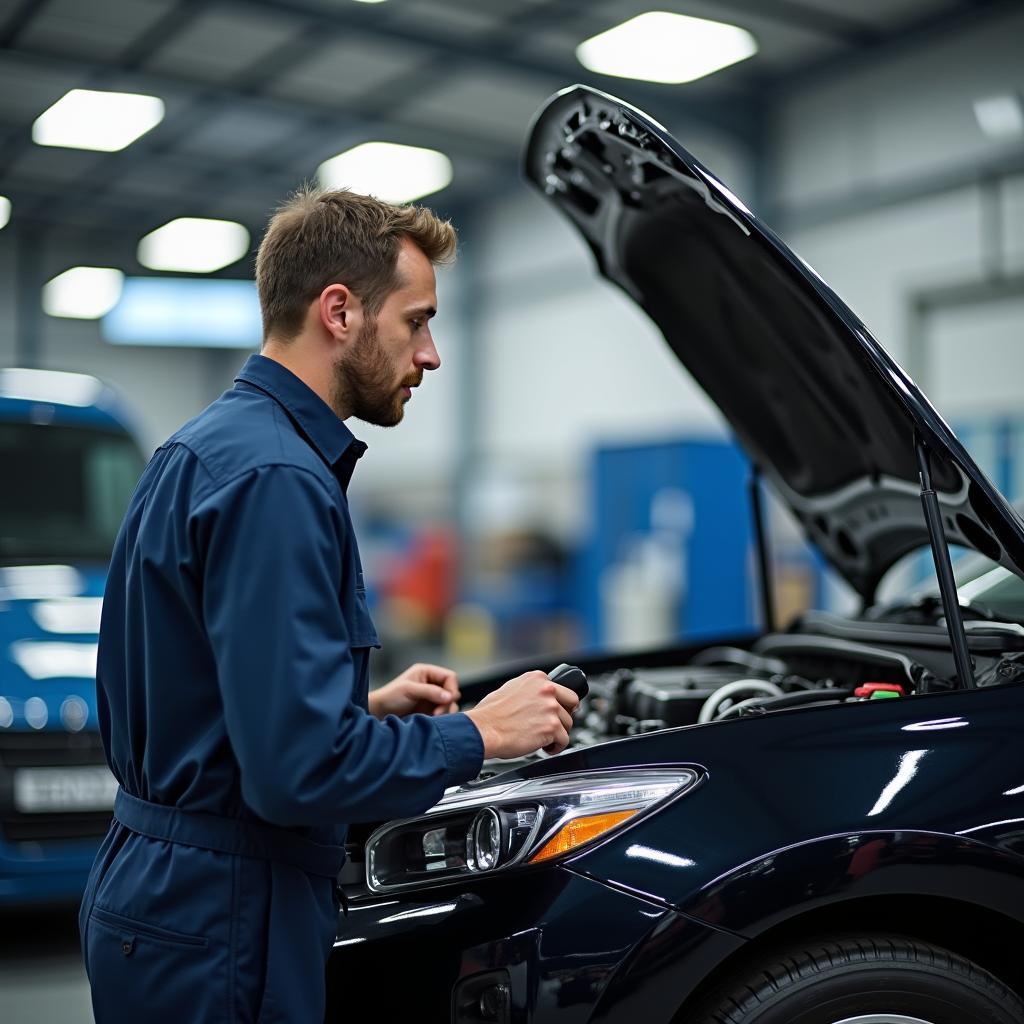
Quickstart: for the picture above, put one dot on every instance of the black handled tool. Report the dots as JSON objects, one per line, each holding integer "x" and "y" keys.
{"x": 572, "y": 677}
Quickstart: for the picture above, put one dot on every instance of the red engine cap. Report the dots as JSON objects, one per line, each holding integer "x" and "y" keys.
{"x": 867, "y": 689}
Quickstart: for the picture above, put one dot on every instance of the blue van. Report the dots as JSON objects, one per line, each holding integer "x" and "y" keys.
{"x": 69, "y": 461}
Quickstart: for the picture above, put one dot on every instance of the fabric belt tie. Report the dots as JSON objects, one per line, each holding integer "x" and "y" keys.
{"x": 227, "y": 835}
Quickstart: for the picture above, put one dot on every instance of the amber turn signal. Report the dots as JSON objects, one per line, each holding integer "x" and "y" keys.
{"x": 579, "y": 831}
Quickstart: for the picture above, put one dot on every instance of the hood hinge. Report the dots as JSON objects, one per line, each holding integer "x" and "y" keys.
{"x": 943, "y": 567}
{"x": 763, "y": 554}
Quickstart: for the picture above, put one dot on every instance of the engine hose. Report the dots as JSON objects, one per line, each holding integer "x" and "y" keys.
{"x": 751, "y": 687}
{"x": 788, "y": 700}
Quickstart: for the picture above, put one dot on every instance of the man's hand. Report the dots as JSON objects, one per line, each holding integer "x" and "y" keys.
{"x": 419, "y": 690}
{"x": 527, "y": 713}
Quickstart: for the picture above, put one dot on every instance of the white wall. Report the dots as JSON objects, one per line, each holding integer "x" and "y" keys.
{"x": 878, "y": 260}
{"x": 887, "y": 126}
{"x": 568, "y": 361}
{"x": 163, "y": 386}
{"x": 899, "y": 118}
{"x": 970, "y": 348}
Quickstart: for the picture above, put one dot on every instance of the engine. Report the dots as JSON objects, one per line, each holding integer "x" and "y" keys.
{"x": 779, "y": 671}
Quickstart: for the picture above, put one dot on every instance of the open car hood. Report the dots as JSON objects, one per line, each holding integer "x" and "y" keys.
{"x": 819, "y": 406}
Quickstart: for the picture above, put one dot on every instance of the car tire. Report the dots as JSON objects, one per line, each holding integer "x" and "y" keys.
{"x": 862, "y": 980}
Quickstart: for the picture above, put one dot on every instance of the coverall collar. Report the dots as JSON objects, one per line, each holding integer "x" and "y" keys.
{"x": 337, "y": 445}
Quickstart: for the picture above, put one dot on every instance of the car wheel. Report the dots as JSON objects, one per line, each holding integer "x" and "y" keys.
{"x": 863, "y": 980}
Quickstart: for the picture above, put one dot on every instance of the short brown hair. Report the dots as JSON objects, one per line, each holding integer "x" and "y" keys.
{"x": 317, "y": 238}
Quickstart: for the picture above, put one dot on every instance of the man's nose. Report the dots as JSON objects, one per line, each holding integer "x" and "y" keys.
{"x": 426, "y": 355}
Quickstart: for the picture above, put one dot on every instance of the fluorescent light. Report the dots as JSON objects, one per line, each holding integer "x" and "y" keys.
{"x": 663, "y": 47}
{"x": 195, "y": 244}
{"x": 5, "y": 211}
{"x": 1000, "y": 116}
{"x": 47, "y": 386}
{"x": 396, "y": 174}
{"x": 53, "y": 660}
{"x": 105, "y": 121}
{"x": 69, "y": 614}
{"x": 84, "y": 293}
{"x": 194, "y": 311}
{"x": 25, "y": 582}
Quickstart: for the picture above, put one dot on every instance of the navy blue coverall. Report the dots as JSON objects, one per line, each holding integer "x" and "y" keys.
{"x": 232, "y": 690}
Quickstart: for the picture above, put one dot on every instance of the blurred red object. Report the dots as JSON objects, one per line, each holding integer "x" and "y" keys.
{"x": 425, "y": 576}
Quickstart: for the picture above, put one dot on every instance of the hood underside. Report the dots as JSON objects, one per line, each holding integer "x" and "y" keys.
{"x": 819, "y": 406}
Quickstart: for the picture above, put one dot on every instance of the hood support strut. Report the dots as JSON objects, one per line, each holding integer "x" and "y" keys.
{"x": 943, "y": 567}
{"x": 763, "y": 555}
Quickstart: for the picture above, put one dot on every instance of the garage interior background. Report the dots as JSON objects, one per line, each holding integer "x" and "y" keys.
{"x": 855, "y": 135}
{"x": 864, "y": 134}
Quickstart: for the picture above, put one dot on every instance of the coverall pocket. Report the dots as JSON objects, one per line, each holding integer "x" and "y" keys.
{"x": 135, "y": 967}
{"x": 362, "y": 632}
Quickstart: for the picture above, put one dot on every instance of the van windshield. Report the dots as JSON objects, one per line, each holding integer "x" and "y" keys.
{"x": 65, "y": 489}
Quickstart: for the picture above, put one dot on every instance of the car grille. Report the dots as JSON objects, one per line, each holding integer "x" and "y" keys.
{"x": 47, "y": 750}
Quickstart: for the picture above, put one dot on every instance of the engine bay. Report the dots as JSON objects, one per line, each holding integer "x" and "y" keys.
{"x": 822, "y": 660}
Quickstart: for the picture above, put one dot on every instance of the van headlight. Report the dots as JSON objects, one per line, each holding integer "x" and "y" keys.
{"x": 516, "y": 825}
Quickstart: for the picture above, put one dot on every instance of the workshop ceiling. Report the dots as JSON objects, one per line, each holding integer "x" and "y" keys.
{"x": 259, "y": 92}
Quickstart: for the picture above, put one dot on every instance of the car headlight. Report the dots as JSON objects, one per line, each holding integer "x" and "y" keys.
{"x": 516, "y": 825}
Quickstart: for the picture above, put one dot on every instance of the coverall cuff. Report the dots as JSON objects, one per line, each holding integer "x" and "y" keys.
{"x": 463, "y": 747}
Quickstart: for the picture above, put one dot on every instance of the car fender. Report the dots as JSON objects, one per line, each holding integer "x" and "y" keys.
{"x": 693, "y": 941}
{"x": 763, "y": 893}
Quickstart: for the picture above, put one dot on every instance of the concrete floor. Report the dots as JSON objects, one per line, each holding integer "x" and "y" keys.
{"x": 42, "y": 980}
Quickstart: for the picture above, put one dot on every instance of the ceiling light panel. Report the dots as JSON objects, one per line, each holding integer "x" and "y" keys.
{"x": 667, "y": 48}
{"x": 394, "y": 173}
{"x": 5, "y": 211}
{"x": 194, "y": 245}
{"x": 83, "y": 293}
{"x": 1000, "y": 117}
{"x": 104, "y": 121}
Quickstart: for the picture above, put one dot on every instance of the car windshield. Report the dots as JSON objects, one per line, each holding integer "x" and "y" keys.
{"x": 65, "y": 490}
{"x": 982, "y": 585}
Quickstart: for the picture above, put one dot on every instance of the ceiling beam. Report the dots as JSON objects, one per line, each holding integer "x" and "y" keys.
{"x": 13, "y": 26}
{"x": 489, "y": 54}
{"x": 210, "y": 100}
{"x": 914, "y": 35}
{"x": 369, "y": 115}
{"x": 806, "y": 17}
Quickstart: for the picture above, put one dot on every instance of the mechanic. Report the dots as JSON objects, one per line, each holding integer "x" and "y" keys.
{"x": 232, "y": 671}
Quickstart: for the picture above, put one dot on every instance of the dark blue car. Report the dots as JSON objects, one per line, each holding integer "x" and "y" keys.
{"x": 822, "y": 824}
{"x": 68, "y": 464}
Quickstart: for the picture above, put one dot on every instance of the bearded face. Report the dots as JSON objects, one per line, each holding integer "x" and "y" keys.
{"x": 368, "y": 383}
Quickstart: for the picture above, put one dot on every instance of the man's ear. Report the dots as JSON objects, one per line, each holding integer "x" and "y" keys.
{"x": 340, "y": 312}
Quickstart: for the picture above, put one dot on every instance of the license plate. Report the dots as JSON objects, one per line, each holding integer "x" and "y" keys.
{"x": 42, "y": 790}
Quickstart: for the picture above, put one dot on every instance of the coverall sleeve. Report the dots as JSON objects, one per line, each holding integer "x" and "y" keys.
{"x": 272, "y": 556}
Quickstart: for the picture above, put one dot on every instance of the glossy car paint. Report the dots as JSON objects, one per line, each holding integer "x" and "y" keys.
{"x": 814, "y": 811}
{"x": 903, "y": 814}
{"x": 550, "y": 930}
